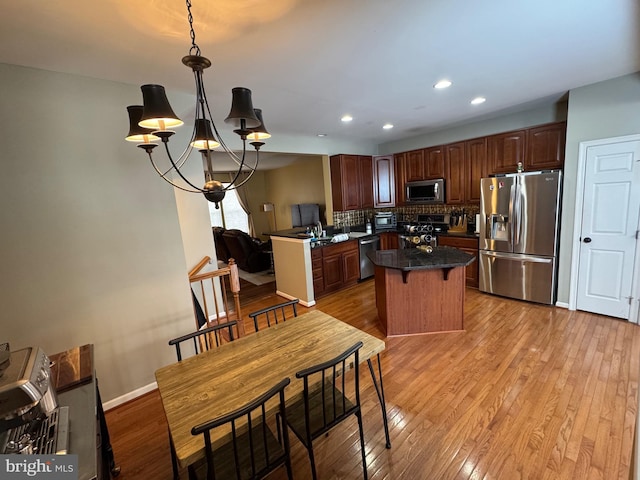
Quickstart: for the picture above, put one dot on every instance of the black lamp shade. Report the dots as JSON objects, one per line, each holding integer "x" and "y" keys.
{"x": 260, "y": 132}
{"x": 136, "y": 132}
{"x": 157, "y": 113}
{"x": 242, "y": 109}
{"x": 204, "y": 138}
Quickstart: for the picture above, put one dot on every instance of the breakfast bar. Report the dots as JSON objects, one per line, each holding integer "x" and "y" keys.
{"x": 420, "y": 292}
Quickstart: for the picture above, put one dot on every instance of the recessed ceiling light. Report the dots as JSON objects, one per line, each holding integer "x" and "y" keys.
{"x": 442, "y": 84}
{"x": 346, "y": 118}
{"x": 478, "y": 100}
{"x": 322, "y": 135}
{"x": 387, "y": 126}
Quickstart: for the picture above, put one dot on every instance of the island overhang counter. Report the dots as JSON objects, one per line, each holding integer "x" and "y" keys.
{"x": 419, "y": 292}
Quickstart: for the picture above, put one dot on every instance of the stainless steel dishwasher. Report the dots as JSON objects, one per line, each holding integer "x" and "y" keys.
{"x": 370, "y": 243}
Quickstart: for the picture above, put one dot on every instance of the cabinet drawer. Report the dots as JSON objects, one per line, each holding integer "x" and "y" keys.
{"x": 458, "y": 242}
{"x": 339, "y": 248}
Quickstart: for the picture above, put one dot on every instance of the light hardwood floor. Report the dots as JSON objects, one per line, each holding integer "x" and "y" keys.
{"x": 526, "y": 391}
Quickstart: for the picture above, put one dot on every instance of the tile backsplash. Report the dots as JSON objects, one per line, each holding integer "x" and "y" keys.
{"x": 403, "y": 214}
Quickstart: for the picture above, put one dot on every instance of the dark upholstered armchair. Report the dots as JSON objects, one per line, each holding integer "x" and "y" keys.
{"x": 250, "y": 254}
{"x": 222, "y": 253}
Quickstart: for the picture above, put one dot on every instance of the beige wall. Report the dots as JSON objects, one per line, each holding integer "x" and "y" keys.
{"x": 602, "y": 110}
{"x": 300, "y": 182}
{"x": 92, "y": 250}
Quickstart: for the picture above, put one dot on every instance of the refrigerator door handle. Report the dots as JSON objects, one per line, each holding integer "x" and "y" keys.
{"x": 517, "y": 257}
{"x": 512, "y": 211}
{"x": 517, "y": 215}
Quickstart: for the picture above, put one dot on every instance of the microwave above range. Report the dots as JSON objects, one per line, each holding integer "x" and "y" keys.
{"x": 425, "y": 191}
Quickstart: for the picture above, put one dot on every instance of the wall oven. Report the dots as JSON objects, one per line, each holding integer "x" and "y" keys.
{"x": 425, "y": 191}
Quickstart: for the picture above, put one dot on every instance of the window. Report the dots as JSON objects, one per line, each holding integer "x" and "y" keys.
{"x": 230, "y": 214}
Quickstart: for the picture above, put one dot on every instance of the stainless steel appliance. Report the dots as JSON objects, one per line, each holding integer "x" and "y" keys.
{"x": 30, "y": 419}
{"x": 519, "y": 228}
{"x": 425, "y": 191}
{"x": 384, "y": 221}
{"x": 369, "y": 243}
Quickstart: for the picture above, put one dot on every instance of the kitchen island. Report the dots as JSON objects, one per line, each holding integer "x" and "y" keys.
{"x": 419, "y": 292}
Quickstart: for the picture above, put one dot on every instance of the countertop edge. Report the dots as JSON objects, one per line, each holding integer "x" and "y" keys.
{"x": 439, "y": 266}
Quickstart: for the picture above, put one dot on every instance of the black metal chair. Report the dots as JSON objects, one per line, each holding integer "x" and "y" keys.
{"x": 275, "y": 313}
{"x": 325, "y": 403}
{"x": 205, "y": 339}
{"x": 253, "y": 451}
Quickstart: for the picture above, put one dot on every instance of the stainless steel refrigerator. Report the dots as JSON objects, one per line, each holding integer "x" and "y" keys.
{"x": 519, "y": 231}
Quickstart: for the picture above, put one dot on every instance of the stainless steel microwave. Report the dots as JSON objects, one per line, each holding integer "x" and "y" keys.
{"x": 425, "y": 191}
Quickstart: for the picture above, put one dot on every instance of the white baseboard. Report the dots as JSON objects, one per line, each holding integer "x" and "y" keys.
{"x": 129, "y": 396}
{"x": 562, "y": 304}
{"x": 289, "y": 297}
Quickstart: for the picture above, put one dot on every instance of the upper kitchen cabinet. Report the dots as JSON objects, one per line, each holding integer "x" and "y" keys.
{"x": 414, "y": 166}
{"x": 399, "y": 160}
{"x": 455, "y": 177}
{"x": 545, "y": 146}
{"x": 366, "y": 181}
{"x": 464, "y": 167}
{"x": 384, "y": 182}
{"x": 351, "y": 182}
{"x": 475, "y": 168}
{"x": 434, "y": 162}
{"x": 506, "y": 150}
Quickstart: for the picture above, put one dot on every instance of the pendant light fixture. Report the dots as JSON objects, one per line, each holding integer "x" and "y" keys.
{"x": 152, "y": 122}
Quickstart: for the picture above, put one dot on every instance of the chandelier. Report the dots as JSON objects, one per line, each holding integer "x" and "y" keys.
{"x": 152, "y": 122}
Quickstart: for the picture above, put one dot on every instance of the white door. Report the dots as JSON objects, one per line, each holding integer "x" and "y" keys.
{"x": 609, "y": 231}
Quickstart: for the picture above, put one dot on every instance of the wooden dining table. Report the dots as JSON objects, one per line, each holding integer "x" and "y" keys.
{"x": 220, "y": 380}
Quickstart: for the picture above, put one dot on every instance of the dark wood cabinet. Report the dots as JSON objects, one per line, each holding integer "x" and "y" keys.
{"x": 424, "y": 164}
{"x": 465, "y": 164}
{"x": 400, "y": 179}
{"x": 468, "y": 245}
{"x": 414, "y": 166}
{"x": 455, "y": 178}
{"x": 335, "y": 266}
{"x": 506, "y": 150}
{"x": 351, "y": 266}
{"x": 332, "y": 270}
{"x": 384, "y": 182}
{"x": 475, "y": 168}
{"x": 545, "y": 146}
{"x": 434, "y": 162}
{"x": 318, "y": 271}
{"x": 389, "y": 240}
{"x": 351, "y": 182}
{"x": 379, "y": 182}
{"x": 366, "y": 181}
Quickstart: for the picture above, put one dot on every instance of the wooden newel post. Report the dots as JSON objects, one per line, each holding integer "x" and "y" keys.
{"x": 234, "y": 281}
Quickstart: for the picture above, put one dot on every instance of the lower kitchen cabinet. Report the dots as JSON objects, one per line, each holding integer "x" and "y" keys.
{"x": 318, "y": 273}
{"x": 468, "y": 245}
{"x": 388, "y": 240}
{"x": 335, "y": 267}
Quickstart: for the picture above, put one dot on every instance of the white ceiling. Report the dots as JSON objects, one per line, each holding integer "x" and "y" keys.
{"x": 308, "y": 62}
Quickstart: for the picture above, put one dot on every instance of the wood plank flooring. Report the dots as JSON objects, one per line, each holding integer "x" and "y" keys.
{"x": 525, "y": 392}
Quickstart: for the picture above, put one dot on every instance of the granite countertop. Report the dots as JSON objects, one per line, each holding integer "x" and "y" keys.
{"x": 299, "y": 233}
{"x": 414, "y": 259}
